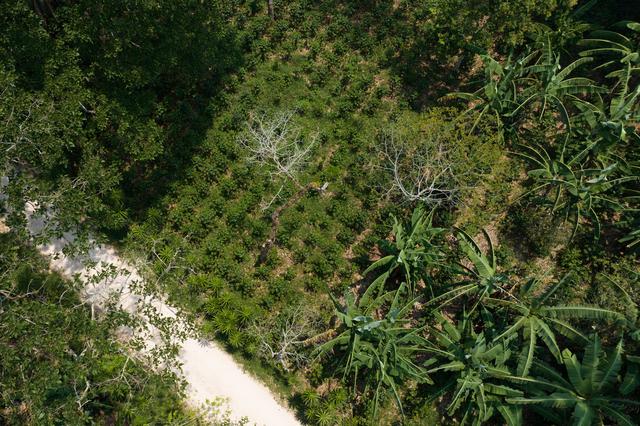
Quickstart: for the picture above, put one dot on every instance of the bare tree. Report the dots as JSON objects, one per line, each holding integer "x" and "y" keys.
{"x": 276, "y": 142}
{"x": 283, "y": 342}
{"x": 419, "y": 171}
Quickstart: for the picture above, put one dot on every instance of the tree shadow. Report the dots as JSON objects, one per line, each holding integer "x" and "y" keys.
{"x": 133, "y": 88}
{"x": 154, "y": 72}
{"x": 424, "y": 60}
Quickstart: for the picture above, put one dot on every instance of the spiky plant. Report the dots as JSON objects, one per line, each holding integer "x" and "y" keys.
{"x": 472, "y": 368}
{"x": 534, "y": 318}
{"x": 484, "y": 279}
{"x": 549, "y": 84}
{"x": 577, "y": 192}
{"x": 591, "y": 390}
{"x": 379, "y": 351}
{"x": 414, "y": 251}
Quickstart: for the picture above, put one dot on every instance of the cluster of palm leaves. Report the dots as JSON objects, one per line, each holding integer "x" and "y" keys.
{"x": 592, "y": 390}
{"x": 588, "y": 165}
{"x": 381, "y": 348}
{"x": 415, "y": 251}
{"x": 485, "y": 345}
{"x": 483, "y": 342}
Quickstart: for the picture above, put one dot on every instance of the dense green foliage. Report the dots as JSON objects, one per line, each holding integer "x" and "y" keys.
{"x": 463, "y": 226}
{"x": 60, "y": 366}
{"x": 96, "y": 97}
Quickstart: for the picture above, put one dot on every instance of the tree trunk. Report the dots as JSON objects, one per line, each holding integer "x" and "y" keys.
{"x": 270, "y": 6}
{"x": 275, "y": 222}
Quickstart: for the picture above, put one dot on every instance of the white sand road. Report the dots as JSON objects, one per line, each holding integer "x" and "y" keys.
{"x": 209, "y": 371}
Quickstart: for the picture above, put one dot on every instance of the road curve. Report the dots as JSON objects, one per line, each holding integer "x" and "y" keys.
{"x": 210, "y": 371}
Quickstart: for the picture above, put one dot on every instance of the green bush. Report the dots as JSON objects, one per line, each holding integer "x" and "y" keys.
{"x": 58, "y": 365}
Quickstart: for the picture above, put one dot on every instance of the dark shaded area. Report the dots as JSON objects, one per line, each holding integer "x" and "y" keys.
{"x": 134, "y": 83}
{"x": 605, "y": 13}
{"x": 431, "y": 46}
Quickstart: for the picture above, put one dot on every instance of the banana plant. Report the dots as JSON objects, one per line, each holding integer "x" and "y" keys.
{"x": 632, "y": 220}
{"x": 577, "y": 192}
{"x": 536, "y": 78}
{"x": 499, "y": 94}
{"x": 534, "y": 319}
{"x": 617, "y": 48}
{"x": 631, "y": 307}
{"x": 617, "y": 121}
{"x": 591, "y": 391}
{"x": 631, "y": 239}
{"x": 472, "y": 368}
{"x": 610, "y": 123}
{"x": 379, "y": 350}
{"x": 548, "y": 83}
{"x": 484, "y": 278}
{"x": 414, "y": 251}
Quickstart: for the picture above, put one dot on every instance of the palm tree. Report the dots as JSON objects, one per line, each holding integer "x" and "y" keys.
{"x": 473, "y": 368}
{"x": 414, "y": 250}
{"x": 589, "y": 391}
{"x": 536, "y": 319}
{"x": 378, "y": 350}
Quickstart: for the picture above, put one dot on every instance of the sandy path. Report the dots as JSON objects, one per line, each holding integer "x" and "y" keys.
{"x": 209, "y": 371}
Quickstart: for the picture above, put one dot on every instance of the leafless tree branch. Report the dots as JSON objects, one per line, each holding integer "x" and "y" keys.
{"x": 275, "y": 141}
{"x": 284, "y": 342}
{"x": 422, "y": 172}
